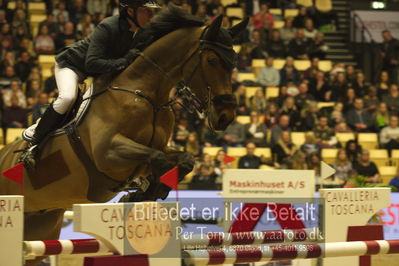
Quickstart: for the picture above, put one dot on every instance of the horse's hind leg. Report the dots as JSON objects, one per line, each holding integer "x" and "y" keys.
{"x": 42, "y": 226}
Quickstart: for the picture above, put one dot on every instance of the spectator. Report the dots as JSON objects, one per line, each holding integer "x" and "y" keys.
{"x": 201, "y": 12}
{"x": 299, "y": 46}
{"x": 241, "y": 101}
{"x": 255, "y": 131}
{"x": 311, "y": 72}
{"x": 309, "y": 116}
{"x": 20, "y": 19}
{"x": 367, "y": 168}
{"x": 289, "y": 108}
{"x": 299, "y": 20}
{"x": 24, "y": 66}
{"x": 208, "y": 137}
{"x": 350, "y": 74}
{"x": 342, "y": 127}
{"x": 389, "y": 51}
{"x": 283, "y": 125}
{"x": 318, "y": 48}
{"x": 181, "y": 132}
{"x": 343, "y": 167}
{"x": 389, "y": 135}
{"x": 371, "y": 100}
{"x": 339, "y": 87}
{"x": 257, "y": 102}
{"x": 275, "y": 46}
{"x": 60, "y": 9}
{"x": 14, "y": 91}
{"x": 244, "y": 59}
{"x": 313, "y": 161}
{"x": 353, "y": 150}
{"x": 360, "y": 85}
{"x": 392, "y": 99}
{"x": 284, "y": 148}
{"x": 349, "y": 99}
{"x": 383, "y": 84}
{"x": 296, "y": 161}
{"x": 9, "y": 60}
{"x": 66, "y": 37}
{"x": 325, "y": 135}
{"x": 220, "y": 163}
{"x": 50, "y": 86}
{"x": 250, "y": 160}
{"x": 271, "y": 115}
{"x": 19, "y": 35}
{"x": 97, "y": 6}
{"x": 381, "y": 116}
{"x": 263, "y": 19}
{"x": 234, "y": 135}
{"x": 269, "y": 76}
{"x": 44, "y": 43}
{"x": 14, "y": 116}
{"x": 33, "y": 90}
{"x": 85, "y": 22}
{"x": 51, "y": 25}
{"x": 303, "y": 98}
{"x": 310, "y": 144}
{"x": 319, "y": 87}
{"x": 40, "y": 106}
{"x": 309, "y": 30}
{"x": 192, "y": 144}
{"x": 395, "y": 180}
{"x": 258, "y": 46}
{"x": 7, "y": 77}
{"x": 337, "y": 115}
{"x": 6, "y": 34}
{"x": 205, "y": 179}
{"x": 359, "y": 118}
{"x": 288, "y": 31}
{"x": 289, "y": 73}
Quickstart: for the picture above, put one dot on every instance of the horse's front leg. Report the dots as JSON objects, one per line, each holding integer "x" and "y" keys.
{"x": 183, "y": 160}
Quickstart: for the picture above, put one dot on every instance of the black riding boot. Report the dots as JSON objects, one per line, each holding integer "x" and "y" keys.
{"x": 49, "y": 122}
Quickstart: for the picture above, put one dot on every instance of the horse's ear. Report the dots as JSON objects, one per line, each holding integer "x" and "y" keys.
{"x": 214, "y": 28}
{"x": 238, "y": 28}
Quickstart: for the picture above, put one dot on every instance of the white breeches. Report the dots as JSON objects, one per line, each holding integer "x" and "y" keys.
{"x": 67, "y": 84}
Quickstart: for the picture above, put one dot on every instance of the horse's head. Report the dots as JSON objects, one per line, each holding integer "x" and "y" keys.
{"x": 210, "y": 76}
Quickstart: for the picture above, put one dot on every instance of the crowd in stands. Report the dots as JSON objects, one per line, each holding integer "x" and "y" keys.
{"x": 359, "y": 106}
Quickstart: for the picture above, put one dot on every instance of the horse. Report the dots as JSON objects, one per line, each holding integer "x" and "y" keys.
{"x": 129, "y": 122}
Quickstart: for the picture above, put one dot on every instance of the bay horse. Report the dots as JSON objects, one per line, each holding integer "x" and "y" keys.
{"x": 128, "y": 124}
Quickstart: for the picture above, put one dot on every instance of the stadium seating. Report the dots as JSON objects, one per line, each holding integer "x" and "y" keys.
{"x": 305, "y": 3}
{"x": 323, "y": 5}
{"x": 368, "y": 140}
{"x": 243, "y": 119}
{"x": 387, "y": 173}
{"x": 379, "y": 157}
{"x": 395, "y": 158}
{"x": 343, "y": 138}
{"x": 250, "y": 91}
{"x": 298, "y": 138}
{"x": 13, "y": 134}
{"x": 329, "y": 155}
{"x": 272, "y": 92}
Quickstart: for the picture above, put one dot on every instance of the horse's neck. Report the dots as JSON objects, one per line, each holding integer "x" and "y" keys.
{"x": 169, "y": 53}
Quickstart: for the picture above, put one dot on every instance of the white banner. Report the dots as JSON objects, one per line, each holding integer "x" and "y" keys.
{"x": 376, "y": 22}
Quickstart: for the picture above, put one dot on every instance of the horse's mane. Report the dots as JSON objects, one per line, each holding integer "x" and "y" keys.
{"x": 169, "y": 20}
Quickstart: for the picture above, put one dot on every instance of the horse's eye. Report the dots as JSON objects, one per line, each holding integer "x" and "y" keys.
{"x": 213, "y": 61}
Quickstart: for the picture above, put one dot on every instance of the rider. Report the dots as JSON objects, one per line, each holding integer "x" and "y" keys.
{"x": 107, "y": 49}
